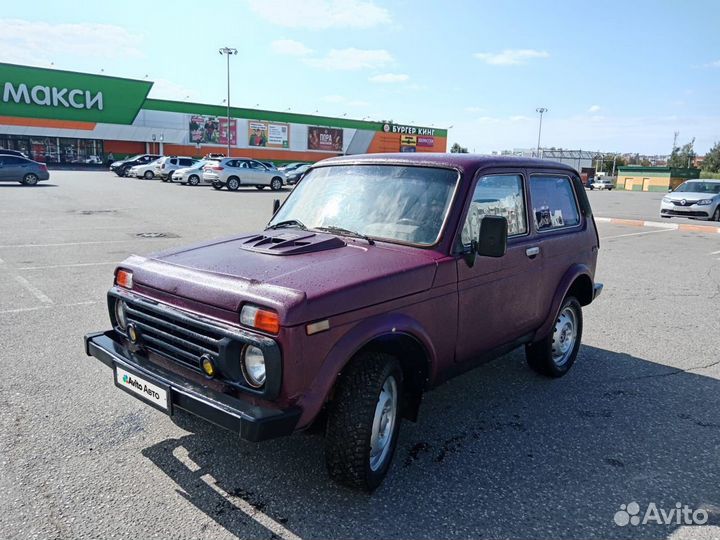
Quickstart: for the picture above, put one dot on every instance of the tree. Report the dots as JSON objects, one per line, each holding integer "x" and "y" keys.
{"x": 457, "y": 149}
{"x": 683, "y": 156}
{"x": 711, "y": 163}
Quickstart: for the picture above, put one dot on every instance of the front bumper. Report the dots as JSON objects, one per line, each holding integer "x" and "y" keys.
{"x": 251, "y": 422}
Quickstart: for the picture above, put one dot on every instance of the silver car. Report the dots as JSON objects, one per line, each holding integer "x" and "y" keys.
{"x": 235, "y": 172}
{"x": 699, "y": 199}
{"x": 23, "y": 170}
{"x": 190, "y": 175}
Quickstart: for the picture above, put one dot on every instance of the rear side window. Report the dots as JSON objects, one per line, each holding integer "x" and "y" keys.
{"x": 12, "y": 160}
{"x": 553, "y": 202}
{"x": 186, "y": 162}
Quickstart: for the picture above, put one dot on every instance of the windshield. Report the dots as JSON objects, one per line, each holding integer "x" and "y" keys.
{"x": 395, "y": 203}
{"x": 699, "y": 187}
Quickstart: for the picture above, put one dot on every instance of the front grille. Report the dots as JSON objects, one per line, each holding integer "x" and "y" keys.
{"x": 181, "y": 340}
{"x": 687, "y": 203}
{"x": 692, "y": 213}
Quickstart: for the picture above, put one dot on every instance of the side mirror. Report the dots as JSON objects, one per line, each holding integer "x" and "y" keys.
{"x": 670, "y": 190}
{"x": 492, "y": 239}
{"x": 276, "y": 206}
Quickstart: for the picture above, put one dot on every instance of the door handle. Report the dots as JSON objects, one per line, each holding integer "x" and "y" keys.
{"x": 532, "y": 252}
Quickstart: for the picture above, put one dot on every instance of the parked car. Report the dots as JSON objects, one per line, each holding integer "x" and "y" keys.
{"x": 213, "y": 156}
{"x": 191, "y": 175}
{"x": 295, "y": 175}
{"x": 290, "y": 166}
{"x": 7, "y": 152}
{"x": 235, "y": 172}
{"x": 23, "y": 170}
{"x": 164, "y": 168}
{"x": 377, "y": 279}
{"x": 122, "y": 167}
{"x": 698, "y": 199}
{"x": 600, "y": 182}
{"x": 146, "y": 170}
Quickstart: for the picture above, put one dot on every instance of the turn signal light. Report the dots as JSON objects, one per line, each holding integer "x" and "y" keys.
{"x": 124, "y": 279}
{"x": 262, "y": 319}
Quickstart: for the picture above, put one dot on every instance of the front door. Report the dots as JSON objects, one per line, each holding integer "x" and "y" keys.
{"x": 498, "y": 297}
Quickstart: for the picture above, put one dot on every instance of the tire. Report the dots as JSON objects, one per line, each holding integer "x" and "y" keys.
{"x": 276, "y": 184}
{"x": 164, "y": 178}
{"x": 233, "y": 183}
{"x": 592, "y": 188}
{"x": 716, "y": 214}
{"x": 367, "y": 399}
{"x": 149, "y": 175}
{"x": 194, "y": 180}
{"x": 121, "y": 172}
{"x": 260, "y": 188}
{"x": 30, "y": 179}
{"x": 216, "y": 185}
{"x": 553, "y": 356}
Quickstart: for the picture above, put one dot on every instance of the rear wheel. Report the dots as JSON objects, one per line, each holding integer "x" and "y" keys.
{"x": 716, "y": 215}
{"x": 233, "y": 183}
{"x": 276, "y": 184}
{"x": 364, "y": 420}
{"x": 30, "y": 179}
{"x": 554, "y": 355}
{"x": 194, "y": 180}
{"x": 217, "y": 185}
{"x": 148, "y": 175}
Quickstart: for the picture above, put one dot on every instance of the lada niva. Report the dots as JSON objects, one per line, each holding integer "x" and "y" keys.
{"x": 378, "y": 278}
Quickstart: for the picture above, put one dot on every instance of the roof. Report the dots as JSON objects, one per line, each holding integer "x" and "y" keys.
{"x": 464, "y": 162}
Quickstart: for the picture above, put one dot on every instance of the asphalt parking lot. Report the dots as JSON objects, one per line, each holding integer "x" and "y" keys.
{"x": 499, "y": 452}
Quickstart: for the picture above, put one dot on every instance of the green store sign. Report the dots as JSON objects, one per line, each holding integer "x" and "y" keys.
{"x": 30, "y": 92}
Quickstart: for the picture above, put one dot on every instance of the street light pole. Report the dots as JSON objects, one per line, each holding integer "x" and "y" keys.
{"x": 227, "y": 51}
{"x": 541, "y": 110}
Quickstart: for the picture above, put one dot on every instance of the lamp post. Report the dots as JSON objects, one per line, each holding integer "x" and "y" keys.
{"x": 227, "y": 51}
{"x": 541, "y": 110}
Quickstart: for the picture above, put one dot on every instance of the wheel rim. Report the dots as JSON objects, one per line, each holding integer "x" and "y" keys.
{"x": 31, "y": 179}
{"x": 233, "y": 184}
{"x": 564, "y": 336}
{"x": 383, "y": 426}
{"x": 194, "y": 180}
{"x": 276, "y": 185}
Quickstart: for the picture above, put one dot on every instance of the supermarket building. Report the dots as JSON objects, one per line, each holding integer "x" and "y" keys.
{"x": 67, "y": 117}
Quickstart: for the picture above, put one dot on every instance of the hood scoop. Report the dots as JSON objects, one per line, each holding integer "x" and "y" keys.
{"x": 290, "y": 242}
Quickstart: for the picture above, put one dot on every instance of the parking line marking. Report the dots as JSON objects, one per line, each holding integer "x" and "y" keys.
{"x": 75, "y": 265}
{"x": 32, "y": 289}
{"x": 635, "y": 234}
{"x": 37, "y": 308}
{"x": 61, "y": 244}
{"x": 182, "y": 455}
{"x": 715, "y": 253}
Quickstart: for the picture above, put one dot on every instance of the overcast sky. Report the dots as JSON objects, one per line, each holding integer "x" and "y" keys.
{"x": 616, "y": 76}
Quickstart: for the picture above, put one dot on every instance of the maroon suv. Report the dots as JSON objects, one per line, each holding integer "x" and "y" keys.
{"x": 378, "y": 278}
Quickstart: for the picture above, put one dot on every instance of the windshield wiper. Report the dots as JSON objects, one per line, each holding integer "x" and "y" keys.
{"x": 346, "y": 232}
{"x": 288, "y": 223}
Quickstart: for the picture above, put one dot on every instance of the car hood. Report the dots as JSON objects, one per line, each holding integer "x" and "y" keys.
{"x": 303, "y": 275}
{"x": 690, "y": 195}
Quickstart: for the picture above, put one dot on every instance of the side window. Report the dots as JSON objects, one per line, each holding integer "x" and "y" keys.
{"x": 186, "y": 162}
{"x": 553, "y": 202}
{"x": 12, "y": 160}
{"x": 257, "y": 165}
{"x": 498, "y": 195}
{"x": 243, "y": 165}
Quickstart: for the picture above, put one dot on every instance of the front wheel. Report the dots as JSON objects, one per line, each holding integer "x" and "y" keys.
{"x": 276, "y": 184}
{"x": 30, "y": 179}
{"x": 194, "y": 180}
{"x": 554, "y": 355}
{"x": 364, "y": 420}
{"x": 148, "y": 175}
{"x": 716, "y": 215}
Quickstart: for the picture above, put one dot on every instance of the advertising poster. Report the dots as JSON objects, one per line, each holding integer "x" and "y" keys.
{"x": 211, "y": 130}
{"x": 328, "y": 139}
{"x": 268, "y": 134}
{"x": 426, "y": 141}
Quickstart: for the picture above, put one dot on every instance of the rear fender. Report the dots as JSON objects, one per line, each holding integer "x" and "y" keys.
{"x": 574, "y": 272}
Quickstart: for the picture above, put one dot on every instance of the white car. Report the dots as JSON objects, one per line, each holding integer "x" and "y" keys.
{"x": 696, "y": 199}
{"x": 146, "y": 170}
{"x": 235, "y": 172}
{"x": 191, "y": 175}
{"x": 602, "y": 183}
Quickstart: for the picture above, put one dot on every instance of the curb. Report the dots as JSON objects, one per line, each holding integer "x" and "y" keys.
{"x": 659, "y": 225}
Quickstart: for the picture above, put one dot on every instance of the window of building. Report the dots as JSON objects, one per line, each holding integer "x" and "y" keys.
{"x": 553, "y": 202}
{"x": 499, "y": 195}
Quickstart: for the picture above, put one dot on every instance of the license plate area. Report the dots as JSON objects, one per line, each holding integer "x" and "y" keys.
{"x": 144, "y": 388}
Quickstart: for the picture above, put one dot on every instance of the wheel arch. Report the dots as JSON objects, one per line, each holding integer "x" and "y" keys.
{"x": 577, "y": 282}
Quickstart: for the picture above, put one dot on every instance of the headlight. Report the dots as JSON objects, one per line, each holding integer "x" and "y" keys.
{"x": 705, "y": 202}
{"x": 253, "y": 366}
{"x": 120, "y": 314}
